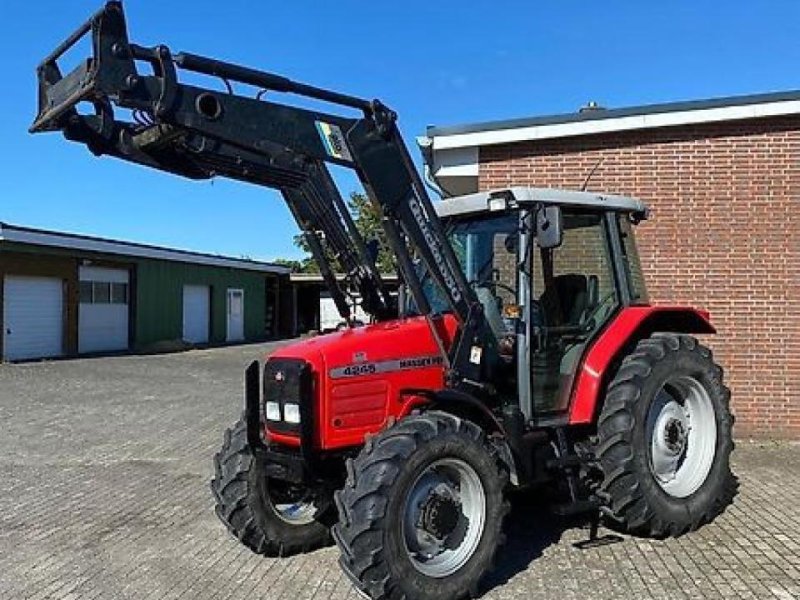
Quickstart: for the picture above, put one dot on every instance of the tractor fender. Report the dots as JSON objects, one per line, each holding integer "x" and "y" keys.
{"x": 466, "y": 406}
{"x": 631, "y": 324}
{"x": 470, "y": 408}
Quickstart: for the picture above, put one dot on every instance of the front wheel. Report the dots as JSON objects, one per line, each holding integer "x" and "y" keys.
{"x": 664, "y": 438}
{"x": 269, "y": 516}
{"x": 421, "y": 513}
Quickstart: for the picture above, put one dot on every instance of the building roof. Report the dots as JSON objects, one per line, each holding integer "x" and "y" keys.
{"x": 633, "y": 117}
{"x": 85, "y": 243}
{"x": 451, "y": 152}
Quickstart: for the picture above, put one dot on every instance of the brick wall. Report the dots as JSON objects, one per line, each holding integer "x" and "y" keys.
{"x": 724, "y": 235}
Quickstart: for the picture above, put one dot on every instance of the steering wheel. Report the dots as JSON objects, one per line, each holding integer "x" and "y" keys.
{"x": 493, "y": 284}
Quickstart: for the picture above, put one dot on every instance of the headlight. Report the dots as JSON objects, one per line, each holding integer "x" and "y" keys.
{"x": 291, "y": 413}
{"x": 288, "y": 383}
{"x": 273, "y": 411}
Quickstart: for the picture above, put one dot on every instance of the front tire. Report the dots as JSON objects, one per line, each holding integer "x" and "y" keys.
{"x": 268, "y": 516}
{"x": 421, "y": 513}
{"x": 664, "y": 439}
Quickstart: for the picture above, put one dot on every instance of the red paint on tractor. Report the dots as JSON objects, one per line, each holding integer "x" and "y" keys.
{"x": 622, "y": 329}
{"x": 348, "y": 407}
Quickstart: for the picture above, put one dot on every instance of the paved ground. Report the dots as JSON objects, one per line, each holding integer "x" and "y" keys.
{"x": 104, "y": 466}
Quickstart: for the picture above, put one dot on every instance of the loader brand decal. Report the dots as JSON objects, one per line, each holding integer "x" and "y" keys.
{"x": 385, "y": 366}
{"x": 334, "y": 141}
{"x": 438, "y": 257}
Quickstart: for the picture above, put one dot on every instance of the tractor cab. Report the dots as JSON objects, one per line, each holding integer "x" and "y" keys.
{"x": 550, "y": 268}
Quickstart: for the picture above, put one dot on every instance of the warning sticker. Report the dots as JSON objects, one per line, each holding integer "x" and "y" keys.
{"x": 334, "y": 141}
{"x": 475, "y": 354}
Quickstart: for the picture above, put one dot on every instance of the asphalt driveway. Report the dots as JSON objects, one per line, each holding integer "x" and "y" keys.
{"x": 104, "y": 469}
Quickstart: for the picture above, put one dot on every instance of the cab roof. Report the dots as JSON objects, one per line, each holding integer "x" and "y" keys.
{"x": 520, "y": 196}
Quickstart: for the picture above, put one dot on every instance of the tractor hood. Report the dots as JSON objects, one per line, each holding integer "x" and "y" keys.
{"x": 396, "y": 338}
{"x": 361, "y": 373}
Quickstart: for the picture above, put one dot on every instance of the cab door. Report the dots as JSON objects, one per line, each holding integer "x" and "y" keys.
{"x": 574, "y": 293}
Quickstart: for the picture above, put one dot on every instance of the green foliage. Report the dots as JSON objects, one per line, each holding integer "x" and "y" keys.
{"x": 304, "y": 265}
{"x": 368, "y": 221}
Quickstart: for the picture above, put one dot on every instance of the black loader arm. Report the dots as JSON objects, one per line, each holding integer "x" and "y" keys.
{"x": 151, "y": 118}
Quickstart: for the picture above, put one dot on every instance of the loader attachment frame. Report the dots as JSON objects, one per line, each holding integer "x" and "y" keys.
{"x": 201, "y": 133}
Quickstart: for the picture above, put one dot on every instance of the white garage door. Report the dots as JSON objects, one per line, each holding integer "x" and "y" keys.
{"x": 103, "y": 312}
{"x": 196, "y": 315}
{"x": 33, "y": 317}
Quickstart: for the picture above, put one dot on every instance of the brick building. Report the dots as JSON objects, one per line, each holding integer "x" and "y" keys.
{"x": 722, "y": 178}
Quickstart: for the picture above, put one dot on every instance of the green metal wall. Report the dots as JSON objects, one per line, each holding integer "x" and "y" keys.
{"x": 159, "y": 299}
{"x": 158, "y": 293}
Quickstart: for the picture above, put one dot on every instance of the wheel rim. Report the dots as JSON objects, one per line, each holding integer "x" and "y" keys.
{"x": 292, "y": 504}
{"x": 682, "y": 430}
{"x": 444, "y": 517}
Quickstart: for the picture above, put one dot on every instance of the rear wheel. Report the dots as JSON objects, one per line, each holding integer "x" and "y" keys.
{"x": 664, "y": 438}
{"x": 421, "y": 513}
{"x": 269, "y": 516}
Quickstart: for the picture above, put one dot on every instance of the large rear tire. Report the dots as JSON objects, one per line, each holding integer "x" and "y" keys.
{"x": 270, "y": 517}
{"x": 420, "y": 516}
{"x": 664, "y": 439}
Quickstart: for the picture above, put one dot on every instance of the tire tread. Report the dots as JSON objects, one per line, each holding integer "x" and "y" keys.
{"x": 361, "y": 517}
{"x": 630, "y": 507}
{"x": 238, "y": 504}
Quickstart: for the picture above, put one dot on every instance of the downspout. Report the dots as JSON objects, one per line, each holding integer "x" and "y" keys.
{"x": 425, "y": 144}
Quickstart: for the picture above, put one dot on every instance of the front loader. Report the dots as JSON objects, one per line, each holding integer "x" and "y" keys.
{"x": 523, "y": 353}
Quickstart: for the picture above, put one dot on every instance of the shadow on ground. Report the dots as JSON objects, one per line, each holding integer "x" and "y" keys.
{"x": 530, "y": 529}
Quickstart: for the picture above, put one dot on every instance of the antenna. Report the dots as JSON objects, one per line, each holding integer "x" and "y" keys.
{"x": 589, "y": 176}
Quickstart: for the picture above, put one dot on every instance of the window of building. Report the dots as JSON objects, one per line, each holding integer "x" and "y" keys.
{"x": 119, "y": 293}
{"x": 86, "y": 292}
{"x": 103, "y": 292}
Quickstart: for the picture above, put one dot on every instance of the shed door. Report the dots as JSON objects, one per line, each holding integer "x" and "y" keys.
{"x": 103, "y": 312}
{"x": 33, "y": 317}
{"x": 196, "y": 313}
{"x": 235, "y": 315}
{"x": 329, "y": 317}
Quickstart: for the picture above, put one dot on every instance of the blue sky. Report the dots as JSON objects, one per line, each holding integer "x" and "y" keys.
{"x": 435, "y": 62}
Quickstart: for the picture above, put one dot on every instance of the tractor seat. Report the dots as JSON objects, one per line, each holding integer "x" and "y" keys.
{"x": 568, "y": 299}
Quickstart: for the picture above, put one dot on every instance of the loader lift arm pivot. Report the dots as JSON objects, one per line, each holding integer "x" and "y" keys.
{"x": 202, "y": 133}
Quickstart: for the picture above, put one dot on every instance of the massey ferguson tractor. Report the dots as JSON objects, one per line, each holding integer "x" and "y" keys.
{"x": 521, "y": 353}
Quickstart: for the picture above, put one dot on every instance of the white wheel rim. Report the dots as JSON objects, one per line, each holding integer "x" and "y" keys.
{"x": 293, "y": 508}
{"x": 453, "y": 484}
{"x": 297, "y": 513}
{"x": 682, "y": 429}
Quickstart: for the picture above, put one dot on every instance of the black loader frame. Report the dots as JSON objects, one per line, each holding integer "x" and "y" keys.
{"x": 202, "y": 133}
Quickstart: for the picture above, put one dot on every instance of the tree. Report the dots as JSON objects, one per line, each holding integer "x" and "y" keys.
{"x": 368, "y": 222}
{"x": 296, "y": 266}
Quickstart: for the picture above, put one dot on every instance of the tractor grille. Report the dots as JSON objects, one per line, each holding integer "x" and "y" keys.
{"x": 287, "y": 381}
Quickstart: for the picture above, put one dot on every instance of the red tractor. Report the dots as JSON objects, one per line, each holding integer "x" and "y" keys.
{"x": 522, "y": 351}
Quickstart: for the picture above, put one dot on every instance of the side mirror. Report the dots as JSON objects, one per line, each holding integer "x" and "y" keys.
{"x": 549, "y": 227}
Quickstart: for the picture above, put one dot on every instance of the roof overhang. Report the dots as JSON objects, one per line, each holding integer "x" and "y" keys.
{"x": 317, "y": 277}
{"x": 68, "y": 241}
{"x": 453, "y": 152}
